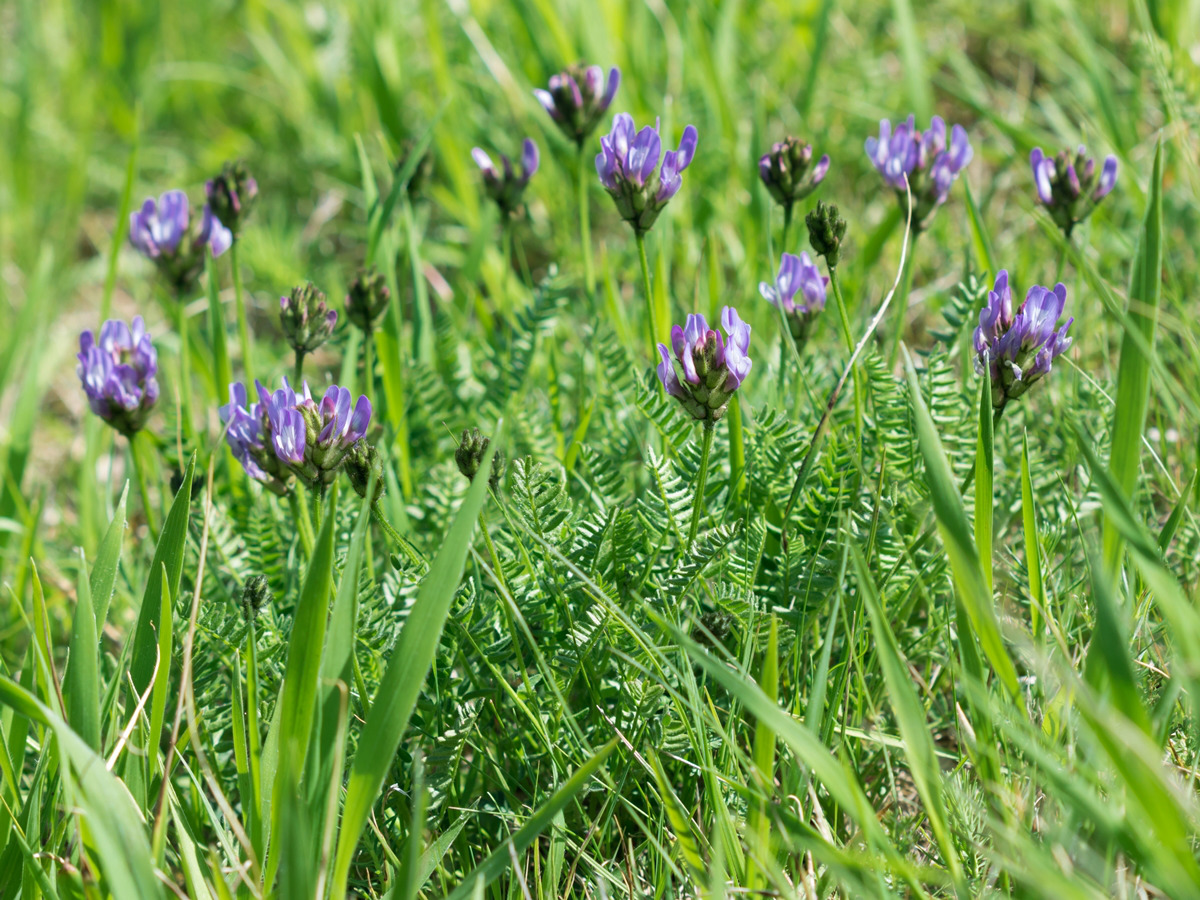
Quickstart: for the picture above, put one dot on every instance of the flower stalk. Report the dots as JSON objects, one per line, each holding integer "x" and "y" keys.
{"x": 701, "y": 482}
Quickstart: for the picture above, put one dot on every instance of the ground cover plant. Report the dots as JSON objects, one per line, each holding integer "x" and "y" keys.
{"x": 530, "y": 450}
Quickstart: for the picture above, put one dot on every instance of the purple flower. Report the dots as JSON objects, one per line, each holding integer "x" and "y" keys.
{"x": 340, "y": 425}
{"x": 923, "y": 159}
{"x": 288, "y": 433}
{"x": 1069, "y": 186}
{"x": 231, "y": 195}
{"x": 799, "y": 290}
{"x": 626, "y": 164}
{"x": 166, "y": 233}
{"x": 578, "y": 98}
{"x": 1018, "y": 349}
{"x": 117, "y": 371}
{"x": 712, "y": 369}
{"x": 306, "y": 321}
{"x": 788, "y": 171}
{"x": 507, "y": 188}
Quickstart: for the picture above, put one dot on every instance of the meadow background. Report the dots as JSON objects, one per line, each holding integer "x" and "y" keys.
{"x": 608, "y": 711}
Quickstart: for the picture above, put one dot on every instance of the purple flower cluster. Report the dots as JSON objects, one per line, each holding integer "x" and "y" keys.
{"x": 1018, "y": 349}
{"x": 923, "y": 159}
{"x": 712, "y": 369}
{"x": 578, "y": 98}
{"x": 1070, "y": 187}
{"x": 799, "y": 290}
{"x": 626, "y": 164}
{"x": 507, "y": 188}
{"x": 288, "y": 433}
{"x": 788, "y": 171}
{"x": 231, "y": 195}
{"x": 166, "y": 232}
{"x": 117, "y": 371}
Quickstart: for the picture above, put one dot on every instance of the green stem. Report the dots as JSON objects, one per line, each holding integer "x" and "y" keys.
{"x": 319, "y": 506}
{"x": 506, "y": 251}
{"x": 651, "y": 323}
{"x": 394, "y": 536}
{"x": 1062, "y": 258}
{"x": 788, "y": 212}
{"x": 243, "y": 321}
{"x": 253, "y": 737}
{"x": 137, "y": 446}
{"x": 422, "y": 345}
{"x": 368, "y": 364}
{"x": 222, "y": 373}
{"x": 785, "y": 333}
{"x": 522, "y": 262}
{"x": 185, "y": 368}
{"x": 298, "y": 370}
{"x": 848, "y": 337}
{"x": 900, "y": 301}
{"x": 737, "y": 446}
{"x": 585, "y": 226}
{"x": 303, "y": 523}
{"x": 701, "y": 481}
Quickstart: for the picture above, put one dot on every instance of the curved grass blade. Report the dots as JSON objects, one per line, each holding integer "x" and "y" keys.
{"x": 404, "y": 677}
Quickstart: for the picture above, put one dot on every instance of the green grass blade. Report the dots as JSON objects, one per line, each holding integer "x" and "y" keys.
{"x": 1033, "y": 549}
{"x": 956, "y": 536}
{"x": 81, "y": 681}
{"x": 910, "y": 716}
{"x": 297, "y": 700}
{"x": 108, "y": 560}
{"x": 404, "y": 677}
{"x": 169, "y": 553}
{"x": 500, "y": 859}
{"x": 985, "y": 464}
{"x": 912, "y": 50}
{"x": 981, "y": 241}
{"x": 1133, "y": 374}
{"x": 114, "y": 825}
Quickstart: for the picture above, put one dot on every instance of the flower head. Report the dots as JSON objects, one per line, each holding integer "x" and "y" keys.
{"x": 626, "y": 164}
{"x": 117, "y": 371}
{"x": 788, "y": 171}
{"x": 826, "y": 228}
{"x": 362, "y": 462}
{"x": 506, "y": 188}
{"x": 468, "y": 456}
{"x": 165, "y": 232}
{"x": 288, "y": 433}
{"x": 799, "y": 290}
{"x": 712, "y": 369}
{"x": 1018, "y": 348}
{"x": 231, "y": 195}
{"x": 367, "y": 299}
{"x": 307, "y": 322}
{"x": 1070, "y": 187}
{"x": 924, "y": 159}
{"x": 578, "y": 98}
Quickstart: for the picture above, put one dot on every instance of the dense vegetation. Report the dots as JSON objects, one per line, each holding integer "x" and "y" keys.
{"x": 819, "y": 602}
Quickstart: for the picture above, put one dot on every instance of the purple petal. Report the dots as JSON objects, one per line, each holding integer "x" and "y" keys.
{"x": 610, "y": 90}
{"x": 1108, "y": 177}
{"x": 687, "y": 148}
{"x": 820, "y": 170}
{"x": 547, "y": 100}
{"x": 483, "y": 161}
{"x": 529, "y": 158}
{"x": 361, "y": 420}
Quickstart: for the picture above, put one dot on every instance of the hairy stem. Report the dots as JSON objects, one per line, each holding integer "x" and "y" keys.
{"x": 585, "y": 226}
{"x": 242, "y": 320}
{"x": 137, "y": 449}
{"x": 647, "y": 290}
{"x": 701, "y": 481}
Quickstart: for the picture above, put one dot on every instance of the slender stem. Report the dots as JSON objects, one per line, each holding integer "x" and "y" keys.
{"x": 369, "y": 364}
{"x": 136, "y": 445}
{"x": 785, "y": 331}
{"x": 303, "y": 523}
{"x": 506, "y": 250}
{"x": 222, "y": 373}
{"x": 253, "y": 737}
{"x": 491, "y": 548}
{"x": 319, "y": 506}
{"x": 394, "y": 536}
{"x": 788, "y": 212}
{"x": 422, "y": 342}
{"x": 651, "y": 324}
{"x": 585, "y": 226}
{"x": 243, "y": 321}
{"x": 185, "y": 368}
{"x": 848, "y": 337}
{"x": 1062, "y": 258}
{"x": 298, "y": 369}
{"x": 522, "y": 262}
{"x": 701, "y": 481}
{"x": 901, "y": 300}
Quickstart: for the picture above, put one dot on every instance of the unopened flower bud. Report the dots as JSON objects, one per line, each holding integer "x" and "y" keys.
{"x": 367, "y": 299}
{"x": 788, "y": 171}
{"x": 361, "y": 463}
{"x": 825, "y": 232}
{"x": 231, "y": 195}
{"x": 256, "y": 594}
{"x": 307, "y": 322}
{"x": 420, "y": 175}
{"x": 472, "y": 447}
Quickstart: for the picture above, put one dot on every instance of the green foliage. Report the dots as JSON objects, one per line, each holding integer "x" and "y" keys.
{"x": 971, "y": 672}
